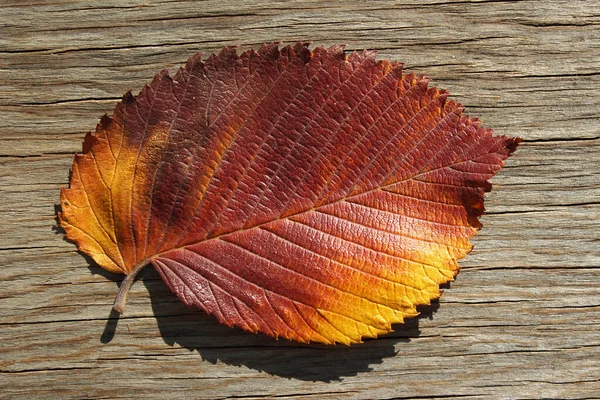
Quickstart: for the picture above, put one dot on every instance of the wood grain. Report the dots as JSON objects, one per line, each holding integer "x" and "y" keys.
{"x": 521, "y": 321}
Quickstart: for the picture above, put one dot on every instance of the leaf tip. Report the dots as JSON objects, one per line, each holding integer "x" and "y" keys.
{"x": 88, "y": 142}
{"x": 269, "y": 51}
{"x": 512, "y": 143}
{"x": 104, "y": 123}
{"x": 128, "y": 98}
{"x": 227, "y": 54}
{"x": 302, "y": 51}
{"x": 195, "y": 59}
{"x": 335, "y": 50}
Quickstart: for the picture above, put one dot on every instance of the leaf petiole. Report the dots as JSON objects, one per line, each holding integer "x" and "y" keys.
{"x": 121, "y": 298}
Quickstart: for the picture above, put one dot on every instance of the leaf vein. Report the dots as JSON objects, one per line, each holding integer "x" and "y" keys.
{"x": 369, "y": 248}
{"x": 273, "y": 126}
{"x": 157, "y": 168}
{"x": 365, "y": 134}
{"x": 401, "y": 215}
{"x": 222, "y": 156}
{"x": 340, "y": 262}
{"x": 292, "y": 271}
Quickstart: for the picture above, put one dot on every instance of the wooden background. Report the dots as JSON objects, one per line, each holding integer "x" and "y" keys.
{"x": 521, "y": 321}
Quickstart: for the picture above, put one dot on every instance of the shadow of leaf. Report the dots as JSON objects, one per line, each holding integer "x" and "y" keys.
{"x": 196, "y": 331}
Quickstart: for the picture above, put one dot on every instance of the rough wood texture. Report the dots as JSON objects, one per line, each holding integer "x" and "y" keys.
{"x": 521, "y": 321}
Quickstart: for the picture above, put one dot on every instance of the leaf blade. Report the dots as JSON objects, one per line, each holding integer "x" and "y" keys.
{"x": 302, "y": 194}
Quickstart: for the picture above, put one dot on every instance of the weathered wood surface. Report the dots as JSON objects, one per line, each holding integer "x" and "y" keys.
{"x": 521, "y": 321}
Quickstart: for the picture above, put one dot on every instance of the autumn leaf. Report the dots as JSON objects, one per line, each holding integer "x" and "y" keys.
{"x": 302, "y": 194}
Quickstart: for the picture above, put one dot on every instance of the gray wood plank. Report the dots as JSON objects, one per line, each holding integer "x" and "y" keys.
{"x": 522, "y": 319}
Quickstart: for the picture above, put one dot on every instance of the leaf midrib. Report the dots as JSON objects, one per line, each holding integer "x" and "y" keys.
{"x": 312, "y": 209}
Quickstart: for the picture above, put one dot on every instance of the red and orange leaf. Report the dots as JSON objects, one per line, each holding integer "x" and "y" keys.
{"x": 301, "y": 194}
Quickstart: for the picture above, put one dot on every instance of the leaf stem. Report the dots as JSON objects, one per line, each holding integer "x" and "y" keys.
{"x": 121, "y": 298}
